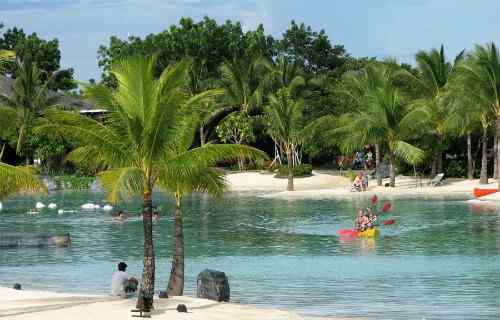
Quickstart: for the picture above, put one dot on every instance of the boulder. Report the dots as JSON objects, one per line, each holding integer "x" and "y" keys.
{"x": 182, "y": 308}
{"x": 14, "y": 240}
{"x": 17, "y": 286}
{"x": 213, "y": 285}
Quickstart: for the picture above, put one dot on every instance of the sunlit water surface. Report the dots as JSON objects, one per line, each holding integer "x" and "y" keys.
{"x": 439, "y": 261}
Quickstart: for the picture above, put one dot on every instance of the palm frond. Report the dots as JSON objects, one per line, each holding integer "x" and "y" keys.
{"x": 18, "y": 179}
{"x": 122, "y": 183}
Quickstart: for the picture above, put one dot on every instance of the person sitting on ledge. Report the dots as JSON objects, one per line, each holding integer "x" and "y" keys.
{"x": 121, "y": 283}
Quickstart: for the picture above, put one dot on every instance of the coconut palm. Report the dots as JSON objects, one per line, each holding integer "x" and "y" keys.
{"x": 480, "y": 74}
{"x": 359, "y": 86}
{"x": 143, "y": 117}
{"x": 432, "y": 80}
{"x": 285, "y": 125}
{"x": 18, "y": 179}
{"x": 184, "y": 171}
{"x": 283, "y": 73}
{"x": 385, "y": 117}
{"x": 26, "y": 105}
{"x": 243, "y": 89}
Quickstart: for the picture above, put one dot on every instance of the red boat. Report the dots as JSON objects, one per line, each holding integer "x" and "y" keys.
{"x": 478, "y": 192}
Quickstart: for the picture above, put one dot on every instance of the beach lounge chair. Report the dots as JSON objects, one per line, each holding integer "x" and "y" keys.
{"x": 437, "y": 180}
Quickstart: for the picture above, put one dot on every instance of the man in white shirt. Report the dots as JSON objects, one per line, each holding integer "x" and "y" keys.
{"x": 122, "y": 283}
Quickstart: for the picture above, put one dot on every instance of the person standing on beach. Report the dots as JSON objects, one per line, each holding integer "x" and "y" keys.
{"x": 122, "y": 283}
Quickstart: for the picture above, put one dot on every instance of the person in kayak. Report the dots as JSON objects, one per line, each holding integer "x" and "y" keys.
{"x": 366, "y": 219}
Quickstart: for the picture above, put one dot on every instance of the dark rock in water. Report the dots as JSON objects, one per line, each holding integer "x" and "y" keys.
{"x": 182, "y": 308}
{"x": 163, "y": 295}
{"x": 17, "y": 286}
{"x": 15, "y": 240}
{"x": 212, "y": 285}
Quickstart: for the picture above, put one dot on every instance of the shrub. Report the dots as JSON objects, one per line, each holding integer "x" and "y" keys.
{"x": 455, "y": 168}
{"x": 302, "y": 170}
{"x": 73, "y": 182}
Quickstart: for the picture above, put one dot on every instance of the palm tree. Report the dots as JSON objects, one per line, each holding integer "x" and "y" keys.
{"x": 26, "y": 105}
{"x": 285, "y": 125}
{"x": 187, "y": 170}
{"x": 480, "y": 74}
{"x": 358, "y": 86}
{"x": 243, "y": 89}
{"x": 144, "y": 116}
{"x": 283, "y": 73}
{"x": 18, "y": 179}
{"x": 432, "y": 80}
{"x": 385, "y": 118}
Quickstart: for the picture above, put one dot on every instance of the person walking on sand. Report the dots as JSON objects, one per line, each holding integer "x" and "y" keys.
{"x": 121, "y": 283}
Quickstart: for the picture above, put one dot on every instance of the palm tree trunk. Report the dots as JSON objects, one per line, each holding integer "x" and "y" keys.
{"x": 176, "y": 281}
{"x": 146, "y": 292}
{"x": 439, "y": 155}
{"x": 392, "y": 168}
{"x": 470, "y": 168}
{"x": 433, "y": 167}
{"x": 377, "y": 164}
{"x": 202, "y": 136}
{"x": 497, "y": 135}
{"x": 483, "y": 178}
{"x": 495, "y": 157}
{"x": 289, "y": 161}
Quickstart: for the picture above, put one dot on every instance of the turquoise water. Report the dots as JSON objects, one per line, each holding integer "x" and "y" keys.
{"x": 439, "y": 261}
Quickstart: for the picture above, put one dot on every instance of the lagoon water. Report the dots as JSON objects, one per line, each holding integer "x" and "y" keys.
{"x": 441, "y": 260}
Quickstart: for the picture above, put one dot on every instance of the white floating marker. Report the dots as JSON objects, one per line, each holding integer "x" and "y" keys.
{"x": 60, "y": 211}
{"x": 1, "y": 206}
{"x": 107, "y": 208}
{"x": 39, "y": 205}
{"x": 52, "y": 206}
{"x": 88, "y": 206}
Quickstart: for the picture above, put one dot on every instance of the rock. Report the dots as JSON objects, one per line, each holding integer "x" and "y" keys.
{"x": 213, "y": 285}
{"x": 182, "y": 308}
{"x": 15, "y": 240}
{"x": 17, "y": 286}
{"x": 39, "y": 205}
{"x": 163, "y": 295}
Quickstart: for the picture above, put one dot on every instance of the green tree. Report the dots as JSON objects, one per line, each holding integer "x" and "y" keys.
{"x": 44, "y": 53}
{"x": 25, "y": 107}
{"x": 384, "y": 118}
{"x": 18, "y": 179}
{"x": 432, "y": 80}
{"x": 313, "y": 49}
{"x": 144, "y": 117}
{"x": 186, "y": 170}
{"x": 285, "y": 125}
{"x": 237, "y": 129}
{"x": 480, "y": 74}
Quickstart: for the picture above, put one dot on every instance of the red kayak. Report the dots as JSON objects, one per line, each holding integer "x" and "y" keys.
{"x": 478, "y": 192}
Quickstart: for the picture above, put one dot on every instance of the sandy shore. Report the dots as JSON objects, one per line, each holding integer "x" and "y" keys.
{"x": 328, "y": 184}
{"x": 35, "y": 305}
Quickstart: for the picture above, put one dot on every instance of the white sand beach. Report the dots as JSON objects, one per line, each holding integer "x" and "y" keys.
{"x": 328, "y": 184}
{"x": 37, "y": 305}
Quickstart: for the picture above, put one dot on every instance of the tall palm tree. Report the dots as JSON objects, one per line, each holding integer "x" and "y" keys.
{"x": 141, "y": 127}
{"x": 480, "y": 74}
{"x": 186, "y": 171}
{"x": 285, "y": 125}
{"x": 141, "y": 121}
{"x": 386, "y": 118}
{"x": 24, "y": 108}
{"x": 432, "y": 80}
{"x": 359, "y": 86}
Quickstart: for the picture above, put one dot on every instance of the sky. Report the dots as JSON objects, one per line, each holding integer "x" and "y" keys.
{"x": 367, "y": 28}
